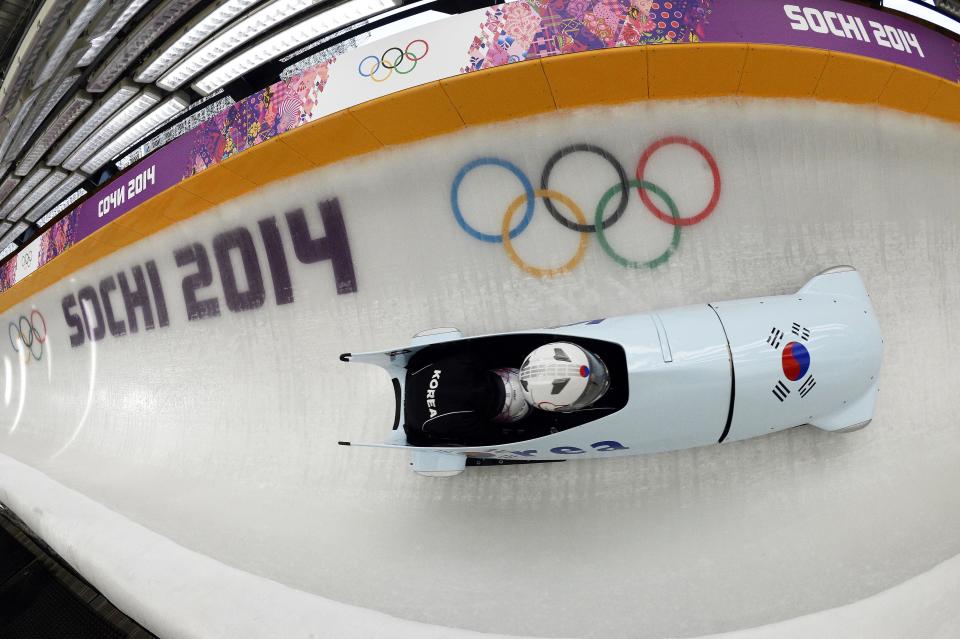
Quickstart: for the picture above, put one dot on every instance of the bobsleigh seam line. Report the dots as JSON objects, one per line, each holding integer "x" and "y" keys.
{"x": 733, "y": 378}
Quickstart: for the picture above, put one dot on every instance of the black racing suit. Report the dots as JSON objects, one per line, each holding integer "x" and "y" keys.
{"x": 451, "y": 400}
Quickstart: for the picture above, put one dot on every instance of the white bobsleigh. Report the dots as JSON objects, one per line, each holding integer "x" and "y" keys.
{"x": 682, "y": 377}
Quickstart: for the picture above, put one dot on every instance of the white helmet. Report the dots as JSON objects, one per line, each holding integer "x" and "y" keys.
{"x": 515, "y": 407}
{"x": 563, "y": 377}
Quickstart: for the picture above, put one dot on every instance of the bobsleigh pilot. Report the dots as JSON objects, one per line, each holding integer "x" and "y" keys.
{"x": 563, "y": 377}
{"x": 455, "y": 399}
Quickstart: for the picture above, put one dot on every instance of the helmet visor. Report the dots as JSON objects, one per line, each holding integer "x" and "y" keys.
{"x": 598, "y": 382}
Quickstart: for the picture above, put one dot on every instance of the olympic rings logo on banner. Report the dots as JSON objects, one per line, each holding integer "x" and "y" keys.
{"x": 392, "y": 60}
{"x": 581, "y": 225}
{"x": 30, "y": 333}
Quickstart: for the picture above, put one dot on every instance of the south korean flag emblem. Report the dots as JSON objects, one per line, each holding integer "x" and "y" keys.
{"x": 794, "y": 361}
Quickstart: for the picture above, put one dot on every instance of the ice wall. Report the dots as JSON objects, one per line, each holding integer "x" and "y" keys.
{"x": 217, "y": 427}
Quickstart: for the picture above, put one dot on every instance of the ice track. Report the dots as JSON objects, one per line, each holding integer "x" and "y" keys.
{"x": 219, "y": 434}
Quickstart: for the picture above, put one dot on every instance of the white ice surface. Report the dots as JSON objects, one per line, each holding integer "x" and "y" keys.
{"x": 219, "y": 436}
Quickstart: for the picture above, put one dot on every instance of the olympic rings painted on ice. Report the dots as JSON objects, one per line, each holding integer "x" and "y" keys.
{"x": 600, "y": 222}
{"x": 26, "y": 331}
{"x": 714, "y": 169}
{"x": 533, "y": 270}
{"x": 606, "y": 155}
{"x": 602, "y": 237}
{"x": 392, "y": 61}
{"x": 455, "y": 198}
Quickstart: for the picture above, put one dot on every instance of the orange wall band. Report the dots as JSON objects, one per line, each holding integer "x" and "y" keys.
{"x": 608, "y": 76}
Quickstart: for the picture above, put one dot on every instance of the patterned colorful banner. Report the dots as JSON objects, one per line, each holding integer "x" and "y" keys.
{"x": 520, "y": 31}
{"x": 481, "y": 39}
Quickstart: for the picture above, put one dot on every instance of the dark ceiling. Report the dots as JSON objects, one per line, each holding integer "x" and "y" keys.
{"x": 15, "y": 16}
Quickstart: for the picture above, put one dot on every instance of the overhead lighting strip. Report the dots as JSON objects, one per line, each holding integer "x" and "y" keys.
{"x": 106, "y": 107}
{"x": 10, "y": 247}
{"x": 23, "y": 190}
{"x": 950, "y": 6}
{"x": 363, "y": 31}
{"x": 100, "y": 40}
{"x": 924, "y": 13}
{"x": 58, "y": 88}
{"x": 62, "y": 190}
{"x": 171, "y": 107}
{"x": 80, "y": 22}
{"x": 159, "y": 20}
{"x": 15, "y": 232}
{"x": 114, "y": 125}
{"x": 51, "y": 98}
{"x": 211, "y": 21}
{"x": 243, "y": 31}
{"x": 79, "y": 103}
{"x": 306, "y": 31}
{"x": 8, "y": 140}
{"x": 8, "y": 184}
{"x": 322, "y": 51}
{"x": 25, "y": 61}
{"x": 41, "y": 191}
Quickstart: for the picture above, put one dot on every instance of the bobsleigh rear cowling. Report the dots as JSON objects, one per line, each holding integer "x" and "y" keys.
{"x": 827, "y": 341}
{"x": 681, "y": 377}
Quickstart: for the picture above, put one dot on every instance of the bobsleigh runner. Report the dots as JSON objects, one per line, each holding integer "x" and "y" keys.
{"x": 639, "y": 384}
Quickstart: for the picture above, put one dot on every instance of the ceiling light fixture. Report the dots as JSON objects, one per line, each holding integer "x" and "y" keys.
{"x": 51, "y": 97}
{"x": 924, "y": 13}
{"x": 306, "y": 31}
{"x": 190, "y": 37}
{"x": 171, "y": 107}
{"x": 79, "y": 103}
{"x": 243, "y": 31}
{"x": 21, "y": 66}
{"x": 106, "y": 107}
{"x": 116, "y": 123}
{"x": 68, "y": 184}
{"x": 8, "y": 184}
{"x": 21, "y": 191}
{"x": 10, "y": 247}
{"x": 100, "y": 40}
{"x": 159, "y": 20}
{"x": 41, "y": 191}
{"x": 8, "y": 140}
{"x": 80, "y": 22}
{"x": 18, "y": 229}
{"x": 55, "y": 92}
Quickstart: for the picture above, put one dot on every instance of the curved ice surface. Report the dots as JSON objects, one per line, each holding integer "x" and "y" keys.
{"x": 220, "y": 433}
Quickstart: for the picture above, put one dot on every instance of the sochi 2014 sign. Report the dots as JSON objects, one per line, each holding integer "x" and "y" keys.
{"x": 134, "y": 299}
{"x": 836, "y": 26}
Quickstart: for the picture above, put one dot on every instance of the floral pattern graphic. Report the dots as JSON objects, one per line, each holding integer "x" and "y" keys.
{"x": 8, "y": 274}
{"x": 956, "y": 59}
{"x": 536, "y": 29}
{"x": 58, "y": 239}
{"x": 277, "y": 109}
{"x": 308, "y": 86}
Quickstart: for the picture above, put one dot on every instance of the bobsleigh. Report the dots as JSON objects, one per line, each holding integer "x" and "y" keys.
{"x": 680, "y": 378}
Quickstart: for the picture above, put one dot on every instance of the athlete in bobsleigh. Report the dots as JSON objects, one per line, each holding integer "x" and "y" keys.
{"x": 638, "y": 384}
{"x": 455, "y": 400}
